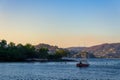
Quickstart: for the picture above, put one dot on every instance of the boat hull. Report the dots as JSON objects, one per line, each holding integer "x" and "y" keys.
{"x": 82, "y": 65}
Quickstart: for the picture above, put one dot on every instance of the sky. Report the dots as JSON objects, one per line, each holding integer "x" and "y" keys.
{"x": 65, "y": 23}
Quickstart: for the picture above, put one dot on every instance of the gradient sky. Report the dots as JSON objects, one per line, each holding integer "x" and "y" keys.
{"x": 64, "y": 23}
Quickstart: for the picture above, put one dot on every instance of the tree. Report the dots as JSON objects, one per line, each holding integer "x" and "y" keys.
{"x": 19, "y": 45}
{"x": 3, "y": 43}
{"x": 61, "y": 53}
{"x": 43, "y": 52}
{"x": 11, "y": 44}
{"x": 29, "y": 50}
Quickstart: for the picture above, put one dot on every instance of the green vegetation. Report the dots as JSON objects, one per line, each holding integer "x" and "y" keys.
{"x": 58, "y": 54}
{"x": 19, "y": 52}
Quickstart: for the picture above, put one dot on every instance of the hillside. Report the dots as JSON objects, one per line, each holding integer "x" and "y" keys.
{"x": 100, "y": 51}
{"x": 51, "y": 48}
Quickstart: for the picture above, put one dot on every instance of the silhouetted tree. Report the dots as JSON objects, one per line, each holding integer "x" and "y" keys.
{"x": 3, "y": 43}
{"x": 43, "y": 53}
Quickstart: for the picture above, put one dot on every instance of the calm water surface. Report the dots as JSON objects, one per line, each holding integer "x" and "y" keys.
{"x": 100, "y": 69}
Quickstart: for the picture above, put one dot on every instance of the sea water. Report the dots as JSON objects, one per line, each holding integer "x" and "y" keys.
{"x": 99, "y": 69}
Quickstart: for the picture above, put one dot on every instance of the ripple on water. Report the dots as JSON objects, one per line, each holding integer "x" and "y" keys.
{"x": 98, "y": 70}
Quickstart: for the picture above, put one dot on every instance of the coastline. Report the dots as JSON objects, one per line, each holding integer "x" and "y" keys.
{"x": 53, "y": 60}
{"x": 41, "y": 60}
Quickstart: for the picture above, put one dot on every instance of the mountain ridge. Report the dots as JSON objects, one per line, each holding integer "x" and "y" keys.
{"x": 106, "y": 50}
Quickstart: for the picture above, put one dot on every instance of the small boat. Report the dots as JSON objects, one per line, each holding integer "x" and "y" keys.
{"x": 82, "y": 65}
{"x": 83, "y": 62}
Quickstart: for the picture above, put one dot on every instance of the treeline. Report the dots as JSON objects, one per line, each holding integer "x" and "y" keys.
{"x": 20, "y": 52}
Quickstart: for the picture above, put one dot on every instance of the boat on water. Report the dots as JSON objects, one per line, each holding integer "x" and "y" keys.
{"x": 83, "y": 61}
{"x": 82, "y": 64}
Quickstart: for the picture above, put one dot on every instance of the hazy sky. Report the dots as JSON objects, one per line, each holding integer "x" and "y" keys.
{"x": 60, "y": 22}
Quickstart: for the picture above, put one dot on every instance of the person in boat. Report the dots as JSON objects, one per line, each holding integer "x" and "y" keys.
{"x": 80, "y": 62}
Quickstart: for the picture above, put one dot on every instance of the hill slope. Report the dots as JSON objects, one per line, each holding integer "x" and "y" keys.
{"x": 102, "y": 51}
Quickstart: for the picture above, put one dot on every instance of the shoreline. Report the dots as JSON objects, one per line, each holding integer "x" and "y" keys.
{"x": 52, "y": 60}
{"x": 42, "y": 61}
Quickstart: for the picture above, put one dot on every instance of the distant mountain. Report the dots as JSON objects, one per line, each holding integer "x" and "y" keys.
{"x": 75, "y": 50}
{"x": 100, "y": 51}
{"x": 51, "y": 48}
{"x": 46, "y": 45}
